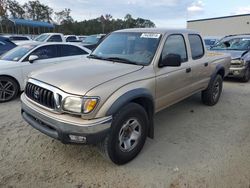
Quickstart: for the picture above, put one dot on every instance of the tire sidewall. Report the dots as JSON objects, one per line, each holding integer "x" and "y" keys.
{"x": 131, "y": 110}
{"x": 218, "y": 78}
{"x": 15, "y": 85}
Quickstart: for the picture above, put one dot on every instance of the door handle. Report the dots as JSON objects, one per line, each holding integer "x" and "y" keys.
{"x": 206, "y": 64}
{"x": 188, "y": 70}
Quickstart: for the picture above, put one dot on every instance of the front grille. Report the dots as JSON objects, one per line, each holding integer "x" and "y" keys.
{"x": 40, "y": 95}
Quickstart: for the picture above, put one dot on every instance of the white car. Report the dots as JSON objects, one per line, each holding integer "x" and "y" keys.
{"x": 16, "y": 64}
{"x": 71, "y": 38}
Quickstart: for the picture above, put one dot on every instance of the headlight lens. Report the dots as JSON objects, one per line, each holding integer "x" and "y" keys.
{"x": 73, "y": 104}
{"x": 80, "y": 104}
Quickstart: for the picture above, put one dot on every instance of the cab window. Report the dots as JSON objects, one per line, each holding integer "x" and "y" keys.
{"x": 175, "y": 44}
{"x": 196, "y": 45}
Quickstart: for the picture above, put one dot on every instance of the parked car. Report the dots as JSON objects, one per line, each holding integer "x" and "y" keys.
{"x": 239, "y": 48}
{"x": 17, "y": 38}
{"x": 211, "y": 41}
{"x": 16, "y": 64}
{"x": 6, "y": 45}
{"x": 72, "y": 38}
{"x": 50, "y": 37}
{"x": 110, "y": 99}
{"x": 92, "y": 41}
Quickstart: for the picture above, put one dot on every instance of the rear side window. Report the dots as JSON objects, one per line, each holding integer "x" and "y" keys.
{"x": 196, "y": 45}
{"x": 70, "y": 50}
{"x": 55, "y": 38}
{"x": 175, "y": 44}
{"x": 46, "y": 52}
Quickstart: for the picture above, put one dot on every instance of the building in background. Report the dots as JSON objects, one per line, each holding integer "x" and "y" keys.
{"x": 22, "y": 26}
{"x": 221, "y": 26}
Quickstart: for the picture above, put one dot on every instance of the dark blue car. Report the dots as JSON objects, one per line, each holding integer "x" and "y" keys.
{"x": 6, "y": 45}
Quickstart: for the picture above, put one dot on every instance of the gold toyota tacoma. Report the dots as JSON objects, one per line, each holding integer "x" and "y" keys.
{"x": 110, "y": 98}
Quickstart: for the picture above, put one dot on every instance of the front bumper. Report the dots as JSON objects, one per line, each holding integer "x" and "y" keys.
{"x": 238, "y": 72}
{"x": 64, "y": 127}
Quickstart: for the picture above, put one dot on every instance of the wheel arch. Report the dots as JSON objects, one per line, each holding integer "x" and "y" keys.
{"x": 140, "y": 96}
{"x": 219, "y": 70}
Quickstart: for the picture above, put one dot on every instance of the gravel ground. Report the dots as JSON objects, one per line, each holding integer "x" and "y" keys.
{"x": 194, "y": 146}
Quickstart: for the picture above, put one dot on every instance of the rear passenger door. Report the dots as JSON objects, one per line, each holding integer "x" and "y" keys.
{"x": 199, "y": 62}
{"x": 173, "y": 83}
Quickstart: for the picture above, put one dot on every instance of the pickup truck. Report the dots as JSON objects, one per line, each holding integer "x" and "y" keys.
{"x": 110, "y": 98}
{"x": 50, "y": 37}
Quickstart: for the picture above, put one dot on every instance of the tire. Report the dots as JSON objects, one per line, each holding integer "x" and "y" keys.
{"x": 8, "y": 89}
{"x": 129, "y": 120}
{"x": 246, "y": 77}
{"x": 212, "y": 94}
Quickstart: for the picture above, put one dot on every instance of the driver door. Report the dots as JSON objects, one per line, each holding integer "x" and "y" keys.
{"x": 173, "y": 83}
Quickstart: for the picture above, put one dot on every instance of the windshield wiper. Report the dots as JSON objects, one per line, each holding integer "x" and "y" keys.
{"x": 122, "y": 60}
{"x": 96, "y": 57}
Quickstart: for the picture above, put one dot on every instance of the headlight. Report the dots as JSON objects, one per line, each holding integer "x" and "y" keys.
{"x": 238, "y": 62}
{"x": 80, "y": 104}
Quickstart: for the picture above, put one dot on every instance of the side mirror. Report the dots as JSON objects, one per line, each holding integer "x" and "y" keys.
{"x": 171, "y": 60}
{"x": 32, "y": 58}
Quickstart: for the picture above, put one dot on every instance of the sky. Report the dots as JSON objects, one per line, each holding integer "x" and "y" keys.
{"x": 164, "y": 13}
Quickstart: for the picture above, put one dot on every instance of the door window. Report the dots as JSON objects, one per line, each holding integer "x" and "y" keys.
{"x": 55, "y": 38}
{"x": 196, "y": 45}
{"x": 45, "y": 52}
{"x": 175, "y": 44}
{"x": 70, "y": 50}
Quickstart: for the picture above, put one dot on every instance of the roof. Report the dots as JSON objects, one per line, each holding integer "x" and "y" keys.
{"x": 31, "y": 23}
{"x": 157, "y": 30}
{"x": 223, "y": 17}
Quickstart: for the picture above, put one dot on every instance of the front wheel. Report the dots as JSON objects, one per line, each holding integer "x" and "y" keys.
{"x": 211, "y": 95}
{"x": 246, "y": 77}
{"x": 127, "y": 135}
{"x": 8, "y": 89}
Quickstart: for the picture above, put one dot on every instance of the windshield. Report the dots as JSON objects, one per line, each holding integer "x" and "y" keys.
{"x": 233, "y": 44}
{"x": 17, "y": 53}
{"x": 41, "y": 38}
{"x": 93, "y": 39}
{"x": 128, "y": 47}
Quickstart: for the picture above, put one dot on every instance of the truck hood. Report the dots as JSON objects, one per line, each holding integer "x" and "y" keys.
{"x": 235, "y": 54}
{"x": 78, "y": 77}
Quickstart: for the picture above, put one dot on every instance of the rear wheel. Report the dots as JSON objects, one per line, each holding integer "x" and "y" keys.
{"x": 127, "y": 135}
{"x": 246, "y": 77}
{"x": 211, "y": 95}
{"x": 8, "y": 89}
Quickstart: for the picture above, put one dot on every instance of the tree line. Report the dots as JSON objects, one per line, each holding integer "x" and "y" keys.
{"x": 35, "y": 10}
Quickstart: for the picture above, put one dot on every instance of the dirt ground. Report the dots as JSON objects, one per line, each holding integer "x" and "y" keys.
{"x": 194, "y": 146}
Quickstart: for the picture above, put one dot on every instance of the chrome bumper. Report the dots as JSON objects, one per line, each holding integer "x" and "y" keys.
{"x": 237, "y": 71}
{"x": 64, "y": 127}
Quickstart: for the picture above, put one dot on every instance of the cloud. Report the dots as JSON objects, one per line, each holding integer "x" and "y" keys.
{"x": 197, "y": 6}
{"x": 242, "y": 10}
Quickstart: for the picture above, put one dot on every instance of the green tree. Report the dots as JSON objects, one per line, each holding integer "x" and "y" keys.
{"x": 3, "y": 8}
{"x": 37, "y": 11}
{"x": 15, "y": 9}
{"x": 63, "y": 17}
